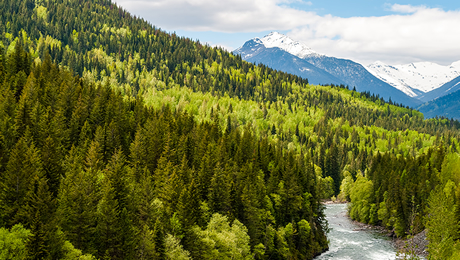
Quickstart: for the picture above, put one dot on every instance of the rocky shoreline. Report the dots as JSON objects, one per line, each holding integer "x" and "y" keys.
{"x": 333, "y": 202}
{"x": 418, "y": 244}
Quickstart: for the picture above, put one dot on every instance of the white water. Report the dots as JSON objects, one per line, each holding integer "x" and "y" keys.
{"x": 346, "y": 243}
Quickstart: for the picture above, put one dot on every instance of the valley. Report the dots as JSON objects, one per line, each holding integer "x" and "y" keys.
{"x": 121, "y": 141}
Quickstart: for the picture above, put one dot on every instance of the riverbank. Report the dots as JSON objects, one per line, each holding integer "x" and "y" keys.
{"x": 327, "y": 202}
{"x": 418, "y": 244}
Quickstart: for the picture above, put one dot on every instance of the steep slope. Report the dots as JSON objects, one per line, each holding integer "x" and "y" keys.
{"x": 421, "y": 76}
{"x": 449, "y": 87}
{"x": 255, "y": 51}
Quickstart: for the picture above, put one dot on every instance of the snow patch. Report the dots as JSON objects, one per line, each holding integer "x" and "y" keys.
{"x": 423, "y": 76}
{"x": 258, "y": 40}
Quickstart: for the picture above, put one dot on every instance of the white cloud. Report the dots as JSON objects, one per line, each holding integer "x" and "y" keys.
{"x": 406, "y": 8}
{"x": 408, "y": 34}
{"x": 222, "y": 16}
{"x": 424, "y": 35}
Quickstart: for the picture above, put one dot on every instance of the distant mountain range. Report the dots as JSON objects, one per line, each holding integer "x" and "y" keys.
{"x": 412, "y": 84}
{"x": 282, "y": 53}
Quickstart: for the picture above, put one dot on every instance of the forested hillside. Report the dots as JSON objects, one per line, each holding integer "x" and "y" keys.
{"x": 120, "y": 141}
{"x": 82, "y": 166}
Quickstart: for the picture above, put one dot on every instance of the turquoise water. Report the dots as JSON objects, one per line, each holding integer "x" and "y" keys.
{"x": 347, "y": 243}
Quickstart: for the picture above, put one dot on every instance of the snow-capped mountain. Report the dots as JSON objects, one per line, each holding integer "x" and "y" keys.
{"x": 415, "y": 79}
{"x": 282, "y": 53}
{"x": 255, "y": 51}
{"x": 285, "y": 43}
{"x": 277, "y": 40}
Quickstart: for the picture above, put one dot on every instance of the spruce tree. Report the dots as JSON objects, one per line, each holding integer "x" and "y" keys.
{"x": 108, "y": 240}
{"x": 51, "y": 159}
{"x": 23, "y": 166}
{"x": 219, "y": 190}
{"x": 117, "y": 173}
{"x": 159, "y": 241}
{"x": 78, "y": 199}
{"x": 40, "y": 214}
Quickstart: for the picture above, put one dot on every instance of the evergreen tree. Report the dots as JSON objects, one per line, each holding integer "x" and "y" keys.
{"x": 108, "y": 223}
{"x": 79, "y": 196}
{"x": 23, "y": 166}
{"x": 219, "y": 190}
{"x": 39, "y": 213}
{"x": 159, "y": 242}
{"x": 51, "y": 159}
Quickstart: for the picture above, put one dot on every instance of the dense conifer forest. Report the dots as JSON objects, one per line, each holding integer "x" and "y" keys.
{"x": 120, "y": 141}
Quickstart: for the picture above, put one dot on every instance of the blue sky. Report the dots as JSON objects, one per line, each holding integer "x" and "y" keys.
{"x": 365, "y": 8}
{"x": 364, "y": 31}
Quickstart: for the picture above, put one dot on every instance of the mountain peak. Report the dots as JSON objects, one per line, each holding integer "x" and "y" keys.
{"x": 275, "y": 34}
{"x": 378, "y": 64}
{"x": 296, "y": 48}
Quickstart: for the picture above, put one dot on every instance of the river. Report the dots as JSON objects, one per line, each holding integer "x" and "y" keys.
{"x": 346, "y": 243}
